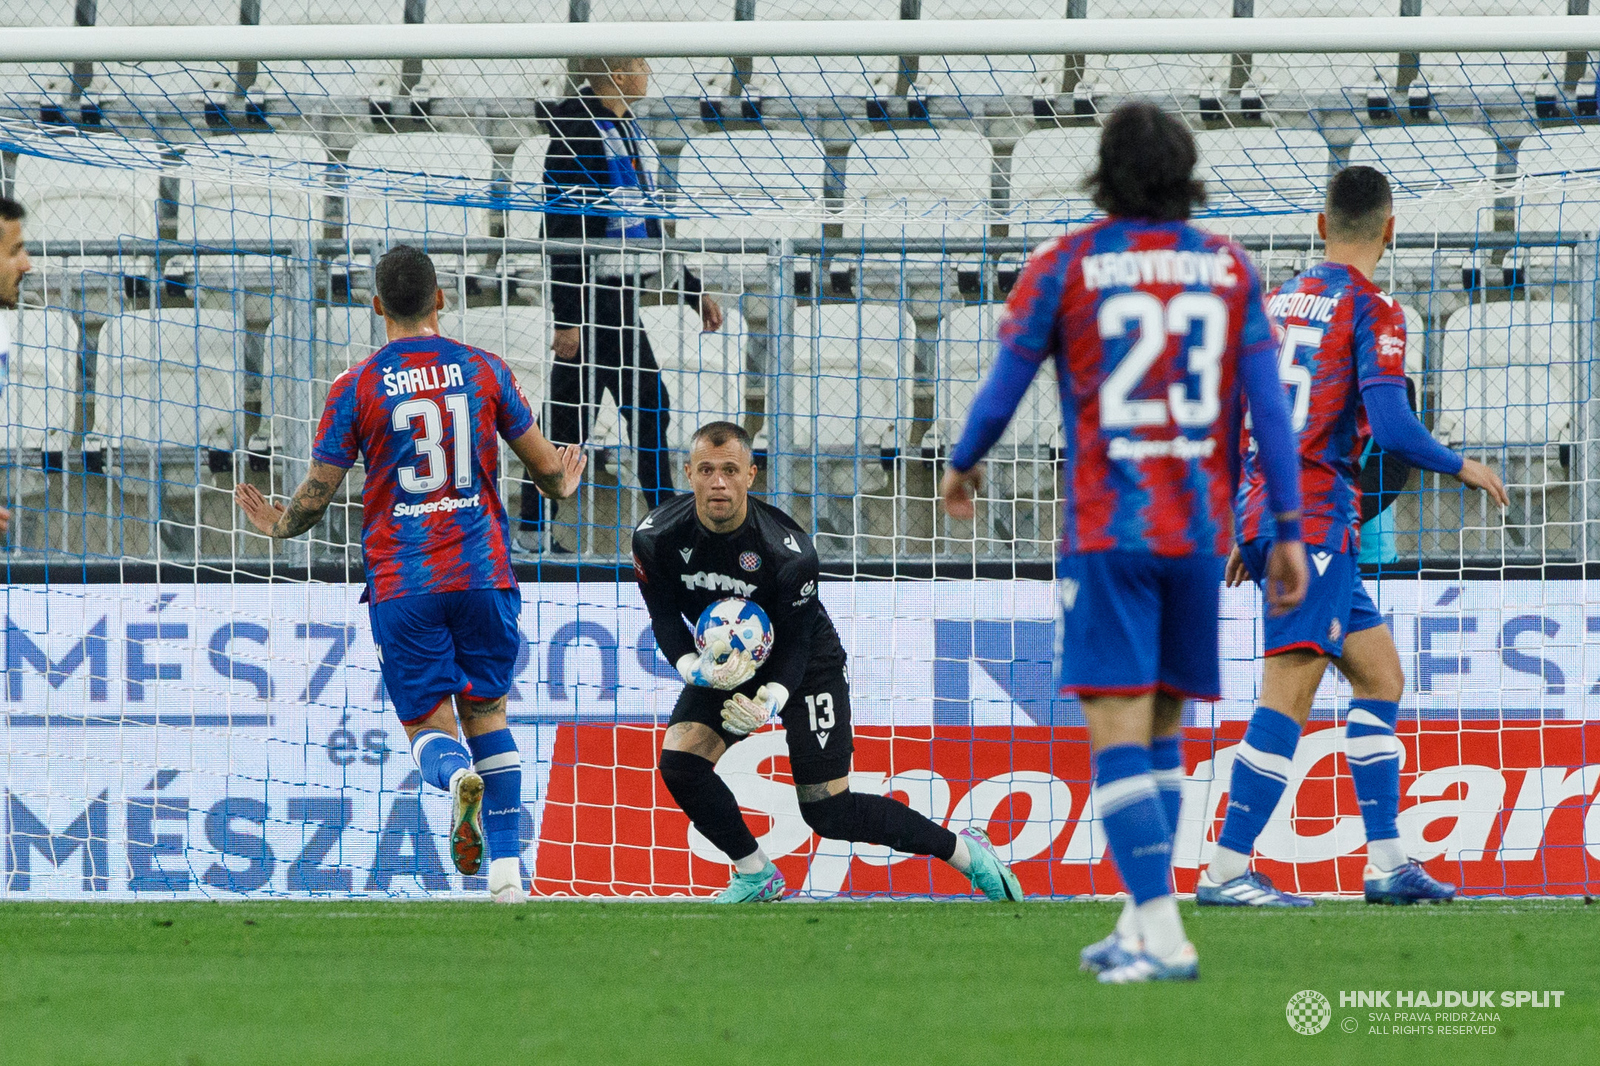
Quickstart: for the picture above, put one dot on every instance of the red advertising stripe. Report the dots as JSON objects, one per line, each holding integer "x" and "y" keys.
{"x": 1497, "y": 807}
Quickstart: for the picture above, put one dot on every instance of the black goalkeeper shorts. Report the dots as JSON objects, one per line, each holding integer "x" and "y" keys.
{"x": 816, "y": 720}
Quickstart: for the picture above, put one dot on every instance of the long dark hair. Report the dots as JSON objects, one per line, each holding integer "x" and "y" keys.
{"x": 1146, "y": 167}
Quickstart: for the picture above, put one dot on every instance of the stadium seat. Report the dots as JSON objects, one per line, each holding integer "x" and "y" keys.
{"x": 852, "y": 374}
{"x": 918, "y": 184}
{"x": 1047, "y": 172}
{"x": 464, "y": 11}
{"x": 759, "y": 186}
{"x": 1262, "y": 181}
{"x": 1506, "y": 374}
{"x": 967, "y": 349}
{"x": 1443, "y": 175}
{"x": 166, "y": 12}
{"x": 170, "y": 379}
{"x": 87, "y": 201}
{"x": 20, "y": 13}
{"x": 43, "y": 384}
{"x": 703, "y": 372}
{"x": 1558, "y": 187}
{"x": 656, "y": 11}
{"x": 527, "y": 187}
{"x": 1021, "y": 76}
{"x": 1300, "y": 80}
{"x": 1502, "y": 75}
{"x": 488, "y": 80}
{"x": 395, "y": 172}
{"x": 850, "y": 78}
{"x": 1157, "y": 76}
{"x": 519, "y": 335}
{"x": 276, "y": 195}
{"x": 332, "y": 12}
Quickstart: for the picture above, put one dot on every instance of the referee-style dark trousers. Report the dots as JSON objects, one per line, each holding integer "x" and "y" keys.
{"x": 613, "y": 356}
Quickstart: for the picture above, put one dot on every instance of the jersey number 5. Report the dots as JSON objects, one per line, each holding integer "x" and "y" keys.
{"x": 428, "y": 450}
{"x": 1156, "y": 321}
{"x": 1295, "y": 376}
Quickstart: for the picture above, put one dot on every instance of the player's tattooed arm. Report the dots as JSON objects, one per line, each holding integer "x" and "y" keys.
{"x": 305, "y": 509}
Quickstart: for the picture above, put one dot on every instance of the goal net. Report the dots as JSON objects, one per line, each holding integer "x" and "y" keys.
{"x": 193, "y": 710}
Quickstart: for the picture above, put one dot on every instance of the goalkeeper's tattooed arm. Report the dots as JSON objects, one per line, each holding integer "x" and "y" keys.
{"x": 304, "y": 510}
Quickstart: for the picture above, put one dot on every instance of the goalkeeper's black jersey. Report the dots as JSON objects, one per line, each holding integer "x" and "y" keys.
{"x": 683, "y": 568}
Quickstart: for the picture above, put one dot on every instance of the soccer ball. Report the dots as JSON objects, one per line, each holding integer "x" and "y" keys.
{"x": 743, "y": 624}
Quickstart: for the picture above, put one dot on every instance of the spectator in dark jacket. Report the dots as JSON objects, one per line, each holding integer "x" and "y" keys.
{"x": 600, "y": 172}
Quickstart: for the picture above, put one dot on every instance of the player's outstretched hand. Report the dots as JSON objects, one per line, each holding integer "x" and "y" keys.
{"x": 1478, "y": 476}
{"x": 1287, "y": 577}
{"x": 1235, "y": 573}
{"x": 263, "y": 513}
{"x": 743, "y": 715}
{"x": 958, "y": 489}
{"x": 573, "y": 460}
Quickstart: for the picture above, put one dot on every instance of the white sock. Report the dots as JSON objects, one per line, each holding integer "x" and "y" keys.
{"x": 1386, "y": 855}
{"x": 456, "y": 777}
{"x": 752, "y": 863}
{"x": 1227, "y": 864}
{"x": 506, "y": 870}
{"x": 1161, "y": 926}
{"x": 1128, "y": 921}
{"x": 961, "y": 858}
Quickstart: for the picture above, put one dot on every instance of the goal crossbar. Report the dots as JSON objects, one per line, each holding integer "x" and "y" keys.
{"x": 809, "y": 38}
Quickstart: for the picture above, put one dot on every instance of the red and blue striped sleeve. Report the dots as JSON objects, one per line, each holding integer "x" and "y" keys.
{"x": 1279, "y": 450}
{"x": 513, "y": 413}
{"x": 336, "y": 442}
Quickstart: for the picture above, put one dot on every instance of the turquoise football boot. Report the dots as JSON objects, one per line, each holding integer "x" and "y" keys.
{"x": 764, "y": 886}
{"x": 988, "y": 874}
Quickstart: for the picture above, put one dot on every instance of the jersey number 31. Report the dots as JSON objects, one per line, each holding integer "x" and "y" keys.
{"x": 428, "y": 445}
{"x": 1157, "y": 321}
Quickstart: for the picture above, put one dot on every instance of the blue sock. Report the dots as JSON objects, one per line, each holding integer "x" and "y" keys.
{"x": 1126, "y": 800}
{"x": 496, "y": 760}
{"x": 1260, "y": 774}
{"x": 439, "y": 756}
{"x": 1373, "y": 752}
{"x": 1166, "y": 766}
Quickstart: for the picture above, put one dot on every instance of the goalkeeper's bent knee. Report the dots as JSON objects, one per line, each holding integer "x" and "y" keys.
{"x": 870, "y": 819}
{"x": 708, "y": 801}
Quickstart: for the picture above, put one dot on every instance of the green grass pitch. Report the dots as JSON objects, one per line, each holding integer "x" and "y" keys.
{"x": 845, "y": 983}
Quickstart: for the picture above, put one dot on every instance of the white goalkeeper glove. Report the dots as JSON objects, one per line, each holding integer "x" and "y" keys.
{"x": 743, "y": 715}
{"x": 719, "y": 667}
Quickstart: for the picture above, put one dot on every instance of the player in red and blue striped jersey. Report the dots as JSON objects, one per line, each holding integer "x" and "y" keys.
{"x": 1342, "y": 359}
{"x": 1158, "y": 334}
{"x": 425, "y": 414}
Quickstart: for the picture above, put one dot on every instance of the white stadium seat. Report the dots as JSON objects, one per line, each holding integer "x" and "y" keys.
{"x": 656, "y": 11}
{"x": 519, "y": 335}
{"x": 1296, "y": 76}
{"x": 1497, "y": 73}
{"x": 331, "y": 12}
{"x": 1558, "y": 187}
{"x": 1047, "y": 172}
{"x": 1442, "y": 175}
{"x": 488, "y": 79}
{"x": 43, "y": 382}
{"x": 20, "y": 13}
{"x": 166, "y": 12}
{"x": 1506, "y": 374}
{"x": 758, "y": 185}
{"x": 919, "y": 184}
{"x": 1262, "y": 181}
{"x": 967, "y": 349}
{"x": 703, "y": 372}
{"x": 1130, "y": 75}
{"x": 395, "y": 172}
{"x": 70, "y": 201}
{"x": 1016, "y": 75}
{"x": 214, "y": 211}
{"x": 851, "y": 77}
{"x": 852, "y": 375}
{"x": 170, "y": 378}
{"x": 457, "y": 11}
{"x": 527, "y": 177}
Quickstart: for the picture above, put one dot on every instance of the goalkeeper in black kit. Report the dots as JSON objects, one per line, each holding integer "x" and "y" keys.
{"x": 697, "y": 549}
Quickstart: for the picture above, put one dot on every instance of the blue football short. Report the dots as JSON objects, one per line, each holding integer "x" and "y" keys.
{"x": 1131, "y": 623}
{"x": 435, "y": 646}
{"x": 1335, "y": 606}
